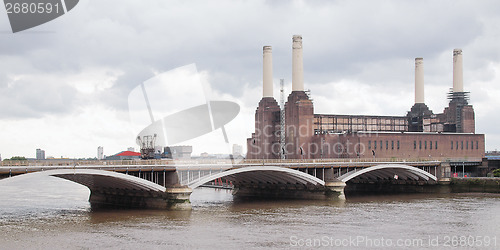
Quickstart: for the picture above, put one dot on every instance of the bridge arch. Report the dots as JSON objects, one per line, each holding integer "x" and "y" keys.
{"x": 113, "y": 189}
{"x": 262, "y": 174}
{"x": 388, "y": 171}
{"x": 95, "y": 179}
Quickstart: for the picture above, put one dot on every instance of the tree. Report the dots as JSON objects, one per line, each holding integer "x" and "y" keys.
{"x": 17, "y": 158}
{"x": 496, "y": 172}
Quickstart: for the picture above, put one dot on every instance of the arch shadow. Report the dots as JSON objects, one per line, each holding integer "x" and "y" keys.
{"x": 389, "y": 171}
{"x": 262, "y": 174}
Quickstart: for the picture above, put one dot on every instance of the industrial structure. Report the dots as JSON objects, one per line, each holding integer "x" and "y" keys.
{"x": 419, "y": 134}
{"x": 147, "y": 144}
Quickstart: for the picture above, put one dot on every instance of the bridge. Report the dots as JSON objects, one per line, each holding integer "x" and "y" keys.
{"x": 168, "y": 184}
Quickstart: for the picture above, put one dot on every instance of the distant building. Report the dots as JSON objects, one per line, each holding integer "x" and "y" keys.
{"x": 100, "y": 153}
{"x": 206, "y": 155}
{"x": 237, "y": 150}
{"x": 158, "y": 150}
{"x": 178, "y": 152}
{"x": 131, "y": 149}
{"x": 40, "y": 154}
{"x": 125, "y": 155}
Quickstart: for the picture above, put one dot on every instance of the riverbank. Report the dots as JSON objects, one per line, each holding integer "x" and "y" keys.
{"x": 449, "y": 185}
{"x": 475, "y": 184}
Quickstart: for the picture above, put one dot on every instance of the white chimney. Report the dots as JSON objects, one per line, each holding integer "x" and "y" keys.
{"x": 458, "y": 75}
{"x": 297, "y": 64}
{"x": 267, "y": 72}
{"x": 419, "y": 80}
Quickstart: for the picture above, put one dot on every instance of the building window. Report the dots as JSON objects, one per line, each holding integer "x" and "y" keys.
{"x": 414, "y": 144}
{"x": 462, "y": 145}
{"x": 375, "y": 144}
{"x": 420, "y": 145}
{"x": 369, "y": 144}
{"x": 456, "y": 145}
{"x": 425, "y": 144}
{"x": 436, "y": 145}
{"x": 467, "y": 145}
{"x": 386, "y": 145}
{"x": 472, "y": 145}
{"x": 430, "y": 145}
{"x": 451, "y": 144}
{"x": 381, "y": 145}
{"x": 392, "y": 144}
{"x": 477, "y": 144}
{"x": 398, "y": 144}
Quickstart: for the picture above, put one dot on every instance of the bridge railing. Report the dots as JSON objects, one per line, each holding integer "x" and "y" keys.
{"x": 220, "y": 161}
{"x": 85, "y": 162}
{"x": 354, "y": 160}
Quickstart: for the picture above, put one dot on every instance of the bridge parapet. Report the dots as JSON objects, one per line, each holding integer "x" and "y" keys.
{"x": 168, "y": 162}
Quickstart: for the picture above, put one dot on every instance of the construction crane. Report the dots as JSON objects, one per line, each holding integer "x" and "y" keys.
{"x": 147, "y": 144}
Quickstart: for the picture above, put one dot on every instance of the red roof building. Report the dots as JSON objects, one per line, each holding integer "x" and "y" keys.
{"x": 125, "y": 155}
{"x": 128, "y": 153}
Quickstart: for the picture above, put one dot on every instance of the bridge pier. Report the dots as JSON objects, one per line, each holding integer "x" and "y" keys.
{"x": 335, "y": 189}
{"x": 176, "y": 198}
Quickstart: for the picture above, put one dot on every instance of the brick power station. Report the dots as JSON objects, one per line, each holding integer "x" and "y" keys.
{"x": 418, "y": 134}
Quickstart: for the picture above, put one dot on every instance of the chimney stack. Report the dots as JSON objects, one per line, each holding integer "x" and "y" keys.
{"x": 419, "y": 80}
{"x": 267, "y": 72}
{"x": 297, "y": 64}
{"x": 458, "y": 76}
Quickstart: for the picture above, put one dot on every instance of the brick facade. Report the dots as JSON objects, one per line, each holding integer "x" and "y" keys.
{"x": 264, "y": 143}
{"x": 311, "y": 136}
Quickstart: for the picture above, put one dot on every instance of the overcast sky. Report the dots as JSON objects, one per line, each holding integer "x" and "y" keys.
{"x": 65, "y": 84}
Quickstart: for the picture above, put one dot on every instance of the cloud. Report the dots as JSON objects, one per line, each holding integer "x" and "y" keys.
{"x": 32, "y": 96}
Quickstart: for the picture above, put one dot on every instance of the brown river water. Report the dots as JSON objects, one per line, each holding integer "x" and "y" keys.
{"x": 41, "y": 212}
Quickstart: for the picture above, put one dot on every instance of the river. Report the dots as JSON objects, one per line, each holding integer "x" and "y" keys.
{"x": 42, "y": 212}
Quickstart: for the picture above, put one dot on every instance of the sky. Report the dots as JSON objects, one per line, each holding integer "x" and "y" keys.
{"x": 65, "y": 84}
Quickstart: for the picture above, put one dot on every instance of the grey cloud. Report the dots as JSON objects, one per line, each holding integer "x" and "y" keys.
{"x": 340, "y": 40}
{"x": 26, "y": 99}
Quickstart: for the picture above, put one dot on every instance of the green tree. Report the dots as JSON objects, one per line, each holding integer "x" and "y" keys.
{"x": 496, "y": 172}
{"x": 18, "y": 158}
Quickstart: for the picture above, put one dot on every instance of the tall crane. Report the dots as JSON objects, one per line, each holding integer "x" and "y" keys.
{"x": 147, "y": 144}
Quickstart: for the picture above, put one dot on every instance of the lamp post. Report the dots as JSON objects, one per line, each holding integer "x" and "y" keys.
{"x": 463, "y": 169}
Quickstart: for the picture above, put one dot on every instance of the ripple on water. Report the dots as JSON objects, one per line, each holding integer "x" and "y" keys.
{"x": 218, "y": 221}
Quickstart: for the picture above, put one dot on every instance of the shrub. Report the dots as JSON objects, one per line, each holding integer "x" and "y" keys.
{"x": 496, "y": 172}
{"x": 18, "y": 158}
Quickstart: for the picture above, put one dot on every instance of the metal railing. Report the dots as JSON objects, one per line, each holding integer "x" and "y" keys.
{"x": 8, "y": 163}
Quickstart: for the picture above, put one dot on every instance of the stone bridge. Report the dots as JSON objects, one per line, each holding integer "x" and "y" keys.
{"x": 169, "y": 186}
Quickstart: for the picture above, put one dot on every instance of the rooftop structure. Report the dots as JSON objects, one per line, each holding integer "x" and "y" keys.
{"x": 125, "y": 155}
